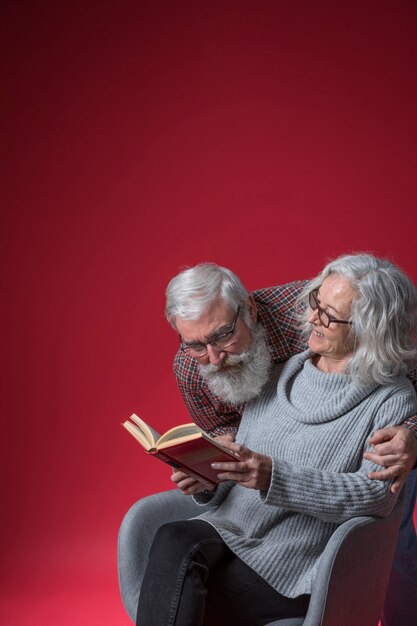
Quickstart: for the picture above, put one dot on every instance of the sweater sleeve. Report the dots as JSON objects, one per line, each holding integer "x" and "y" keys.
{"x": 337, "y": 496}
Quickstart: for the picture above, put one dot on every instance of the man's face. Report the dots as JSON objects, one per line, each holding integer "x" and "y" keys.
{"x": 238, "y": 372}
{"x": 217, "y": 318}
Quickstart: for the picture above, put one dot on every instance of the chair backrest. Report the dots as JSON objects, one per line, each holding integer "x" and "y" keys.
{"x": 354, "y": 574}
{"x": 352, "y": 577}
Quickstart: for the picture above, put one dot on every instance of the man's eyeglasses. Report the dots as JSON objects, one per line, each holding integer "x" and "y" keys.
{"x": 219, "y": 341}
{"x": 325, "y": 318}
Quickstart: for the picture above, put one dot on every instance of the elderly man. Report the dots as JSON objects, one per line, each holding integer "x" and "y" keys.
{"x": 229, "y": 341}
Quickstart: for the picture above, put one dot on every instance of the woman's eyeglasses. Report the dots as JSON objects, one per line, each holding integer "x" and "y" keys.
{"x": 325, "y": 318}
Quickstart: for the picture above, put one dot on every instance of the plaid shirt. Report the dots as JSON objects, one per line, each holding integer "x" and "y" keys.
{"x": 276, "y": 312}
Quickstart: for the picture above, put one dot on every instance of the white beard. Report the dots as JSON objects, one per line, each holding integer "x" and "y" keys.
{"x": 241, "y": 377}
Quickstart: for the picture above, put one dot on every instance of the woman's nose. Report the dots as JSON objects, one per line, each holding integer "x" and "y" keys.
{"x": 313, "y": 317}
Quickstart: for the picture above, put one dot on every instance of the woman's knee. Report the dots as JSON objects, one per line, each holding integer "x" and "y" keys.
{"x": 185, "y": 532}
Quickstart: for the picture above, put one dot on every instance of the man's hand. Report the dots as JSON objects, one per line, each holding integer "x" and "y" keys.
{"x": 253, "y": 470}
{"x": 189, "y": 485}
{"x": 396, "y": 449}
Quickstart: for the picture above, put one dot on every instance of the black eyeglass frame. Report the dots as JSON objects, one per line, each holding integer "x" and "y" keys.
{"x": 312, "y": 300}
{"x": 188, "y": 349}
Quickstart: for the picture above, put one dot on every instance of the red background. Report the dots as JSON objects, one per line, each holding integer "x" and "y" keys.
{"x": 137, "y": 138}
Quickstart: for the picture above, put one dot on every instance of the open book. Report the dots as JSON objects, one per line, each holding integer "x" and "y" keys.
{"x": 186, "y": 448}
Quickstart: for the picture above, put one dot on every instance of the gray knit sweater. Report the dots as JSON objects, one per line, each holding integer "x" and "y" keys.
{"x": 315, "y": 427}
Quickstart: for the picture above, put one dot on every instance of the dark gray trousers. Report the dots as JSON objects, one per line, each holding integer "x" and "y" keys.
{"x": 193, "y": 579}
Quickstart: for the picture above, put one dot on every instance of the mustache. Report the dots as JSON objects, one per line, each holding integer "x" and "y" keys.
{"x": 231, "y": 360}
{"x": 241, "y": 377}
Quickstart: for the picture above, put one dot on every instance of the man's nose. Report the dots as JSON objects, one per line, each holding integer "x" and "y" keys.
{"x": 215, "y": 355}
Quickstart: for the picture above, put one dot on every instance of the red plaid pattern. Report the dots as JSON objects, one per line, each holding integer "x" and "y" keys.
{"x": 411, "y": 422}
{"x": 276, "y": 312}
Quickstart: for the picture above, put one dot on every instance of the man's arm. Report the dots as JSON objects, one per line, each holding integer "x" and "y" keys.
{"x": 276, "y": 312}
{"x": 396, "y": 449}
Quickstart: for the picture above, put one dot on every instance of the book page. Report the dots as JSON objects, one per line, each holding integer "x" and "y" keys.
{"x": 179, "y": 432}
{"x": 149, "y": 434}
{"x": 137, "y": 434}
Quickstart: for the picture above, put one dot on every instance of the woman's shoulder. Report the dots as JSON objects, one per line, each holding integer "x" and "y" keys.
{"x": 398, "y": 400}
{"x": 400, "y": 385}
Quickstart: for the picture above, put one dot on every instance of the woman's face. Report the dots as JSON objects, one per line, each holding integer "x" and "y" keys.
{"x": 335, "y": 296}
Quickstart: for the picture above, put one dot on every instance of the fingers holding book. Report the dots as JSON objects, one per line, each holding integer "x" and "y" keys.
{"x": 189, "y": 485}
{"x": 252, "y": 470}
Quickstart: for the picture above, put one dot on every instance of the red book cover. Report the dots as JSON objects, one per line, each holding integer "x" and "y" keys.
{"x": 194, "y": 457}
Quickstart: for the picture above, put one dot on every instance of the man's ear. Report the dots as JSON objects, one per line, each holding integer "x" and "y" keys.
{"x": 253, "y": 311}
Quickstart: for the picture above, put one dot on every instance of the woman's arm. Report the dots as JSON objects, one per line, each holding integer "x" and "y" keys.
{"x": 329, "y": 495}
{"x": 333, "y": 496}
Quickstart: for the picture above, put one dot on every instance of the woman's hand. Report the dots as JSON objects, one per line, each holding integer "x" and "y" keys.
{"x": 396, "y": 449}
{"x": 189, "y": 485}
{"x": 251, "y": 470}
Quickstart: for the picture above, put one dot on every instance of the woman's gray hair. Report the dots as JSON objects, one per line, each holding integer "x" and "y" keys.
{"x": 190, "y": 292}
{"x": 383, "y": 315}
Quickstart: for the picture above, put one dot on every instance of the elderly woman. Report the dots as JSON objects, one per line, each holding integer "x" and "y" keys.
{"x": 300, "y": 470}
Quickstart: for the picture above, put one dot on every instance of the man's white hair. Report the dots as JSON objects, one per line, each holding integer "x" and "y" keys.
{"x": 190, "y": 292}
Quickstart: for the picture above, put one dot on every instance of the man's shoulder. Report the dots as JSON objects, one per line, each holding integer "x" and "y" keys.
{"x": 186, "y": 372}
{"x": 280, "y": 297}
{"x": 277, "y": 311}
